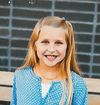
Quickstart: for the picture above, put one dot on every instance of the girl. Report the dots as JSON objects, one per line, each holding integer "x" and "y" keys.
{"x": 50, "y": 74}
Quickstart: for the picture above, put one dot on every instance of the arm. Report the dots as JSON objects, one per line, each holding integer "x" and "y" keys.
{"x": 14, "y": 99}
{"x": 80, "y": 95}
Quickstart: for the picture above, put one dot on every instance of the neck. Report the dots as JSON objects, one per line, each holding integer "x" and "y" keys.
{"x": 46, "y": 72}
{"x": 48, "y": 69}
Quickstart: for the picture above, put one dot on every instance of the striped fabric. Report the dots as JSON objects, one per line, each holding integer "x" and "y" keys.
{"x": 27, "y": 90}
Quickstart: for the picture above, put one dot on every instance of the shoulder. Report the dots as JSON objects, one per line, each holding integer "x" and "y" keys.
{"x": 22, "y": 71}
{"x": 78, "y": 82}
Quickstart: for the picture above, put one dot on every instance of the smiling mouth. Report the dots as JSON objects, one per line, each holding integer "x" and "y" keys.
{"x": 51, "y": 57}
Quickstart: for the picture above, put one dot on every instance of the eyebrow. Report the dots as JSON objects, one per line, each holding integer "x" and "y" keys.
{"x": 56, "y": 40}
{"x": 59, "y": 40}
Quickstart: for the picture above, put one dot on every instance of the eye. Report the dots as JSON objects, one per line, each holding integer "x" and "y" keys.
{"x": 58, "y": 42}
{"x": 45, "y": 41}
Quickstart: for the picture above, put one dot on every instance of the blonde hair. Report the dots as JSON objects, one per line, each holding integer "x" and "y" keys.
{"x": 69, "y": 62}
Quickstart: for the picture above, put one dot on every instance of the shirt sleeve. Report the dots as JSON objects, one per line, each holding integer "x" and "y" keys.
{"x": 80, "y": 94}
{"x": 14, "y": 97}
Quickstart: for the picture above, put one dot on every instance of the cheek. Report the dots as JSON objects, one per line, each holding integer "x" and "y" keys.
{"x": 63, "y": 51}
{"x": 40, "y": 51}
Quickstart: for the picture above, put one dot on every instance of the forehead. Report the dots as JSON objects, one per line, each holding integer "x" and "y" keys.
{"x": 49, "y": 32}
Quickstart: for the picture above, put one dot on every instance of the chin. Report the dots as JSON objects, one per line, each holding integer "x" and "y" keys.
{"x": 51, "y": 64}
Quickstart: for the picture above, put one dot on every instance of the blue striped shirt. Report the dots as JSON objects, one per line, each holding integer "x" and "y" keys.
{"x": 27, "y": 90}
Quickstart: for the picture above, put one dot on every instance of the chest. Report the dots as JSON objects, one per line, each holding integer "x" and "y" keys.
{"x": 29, "y": 91}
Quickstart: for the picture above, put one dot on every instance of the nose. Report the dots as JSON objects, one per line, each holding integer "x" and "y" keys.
{"x": 51, "y": 48}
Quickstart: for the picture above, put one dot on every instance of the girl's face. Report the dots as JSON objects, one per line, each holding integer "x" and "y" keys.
{"x": 51, "y": 46}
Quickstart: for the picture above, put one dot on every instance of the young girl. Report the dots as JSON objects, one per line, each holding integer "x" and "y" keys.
{"x": 50, "y": 74}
